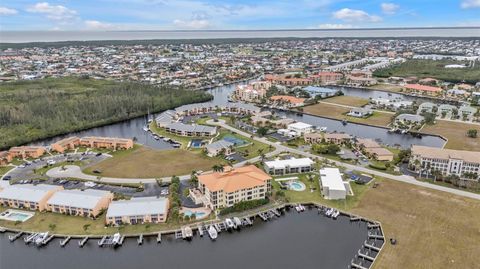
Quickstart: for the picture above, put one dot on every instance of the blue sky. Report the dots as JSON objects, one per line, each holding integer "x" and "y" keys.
{"x": 228, "y": 14}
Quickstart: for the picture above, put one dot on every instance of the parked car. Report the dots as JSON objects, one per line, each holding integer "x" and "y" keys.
{"x": 51, "y": 162}
{"x": 7, "y": 177}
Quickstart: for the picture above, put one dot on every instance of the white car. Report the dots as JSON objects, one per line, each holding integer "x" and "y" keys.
{"x": 51, "y": 162}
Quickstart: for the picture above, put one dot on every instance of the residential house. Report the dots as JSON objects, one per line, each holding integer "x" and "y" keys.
{"x": 332, "y": 185}
{"x": 68, "y": 143}
{"x": 288, "y": 166}
{"x": 300, "y": 128}
{"x": 289, "y": 101}
{"x": 138, "y": 210}
{"x": 26, "y": 152}
{"x": 33, "y": 197}
{"x": 85, "y": 203}
{"x": 360, "y": 112}
{"x": 218, "y": 147}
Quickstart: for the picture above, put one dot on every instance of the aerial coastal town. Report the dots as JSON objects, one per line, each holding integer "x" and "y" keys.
{"x": 354, "y": 129}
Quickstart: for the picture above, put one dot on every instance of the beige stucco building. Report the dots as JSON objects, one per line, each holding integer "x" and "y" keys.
{"x": 86, "y": 203}
{"x": 138, "y": 211}
{"x": 28, "y": 196}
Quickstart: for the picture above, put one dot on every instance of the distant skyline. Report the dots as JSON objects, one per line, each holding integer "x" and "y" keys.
{"x": 234, "y": 15}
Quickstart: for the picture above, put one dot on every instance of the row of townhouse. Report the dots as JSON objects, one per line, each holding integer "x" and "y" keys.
{"x": 335, "y": 138}
{"x": 447, "y": 161}
{"x": 86, "y": 203}
{"x": 288, "y": 166}
{"x": 202, "y": 108}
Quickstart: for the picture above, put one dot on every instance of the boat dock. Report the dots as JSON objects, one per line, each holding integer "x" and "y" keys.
{"x": 47, "y": 240}
{"x": 30, "y": 238}
{"x": 159, "y": 238}
{"x": 15, "y": 236}
{"x": 140, "y": 240}
{"x": 82, "y": 242}
{"x": 65, "y": 241}
{"x": 200, "y": 230}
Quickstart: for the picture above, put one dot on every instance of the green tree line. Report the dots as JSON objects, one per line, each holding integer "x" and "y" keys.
{"x": 32, "y": 110}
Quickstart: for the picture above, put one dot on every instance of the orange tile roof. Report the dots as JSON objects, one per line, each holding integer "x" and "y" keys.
{"x": 232, "y": 180}
{"x": 291, "y": 99}
{"x": 419, "y": 87}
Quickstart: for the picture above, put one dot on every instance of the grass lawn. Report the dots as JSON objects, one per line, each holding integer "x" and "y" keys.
{"x": 387, "y": 87}
{"x": 433, "y": 229}
{"x": 347, "y": 100}
{"x": 5, "y": 169}
{"x": 338, "y": 112}
{"x": 316, "y": 196}
{"x": 455, "y": 132}
{"x": 148, "y": 163}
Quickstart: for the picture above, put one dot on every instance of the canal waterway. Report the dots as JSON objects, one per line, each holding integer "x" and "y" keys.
{"x": 133, "y": 128}
{"x": 305, "y": 240}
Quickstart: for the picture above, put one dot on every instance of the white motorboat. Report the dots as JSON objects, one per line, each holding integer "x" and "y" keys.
{"x": 212, "y": 232}
{"x": 298, "y": 208}
{"x": 335, "y": 214}
{"x": 237, "y": 222}
{"x": 116, "y": 239}
{"x": 329, "y": 212}
{"x": 218, "y": 228}
{"x": 229, "y": 223}
{"x": 39, "y": 239}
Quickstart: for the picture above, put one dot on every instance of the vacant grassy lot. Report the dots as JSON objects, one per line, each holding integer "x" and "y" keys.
{"x": 5, "y": 169}
{"x": 455, "y": 132}
{"x": 347, "y": 100}
{"x": 386, "y": 87}
{"x": 432, "y": 69}
{"x": 433, "y": 229}
{"x": 148, "y": 163}
{"x": 338, "y": 112}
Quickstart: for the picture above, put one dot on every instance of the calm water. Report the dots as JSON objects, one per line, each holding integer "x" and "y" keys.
{"x": 305, "y": 241}
{"x": 50, "y": 36}
{"x": 133, "y": 128}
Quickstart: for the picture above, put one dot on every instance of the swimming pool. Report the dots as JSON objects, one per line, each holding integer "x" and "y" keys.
{"x": 197, "y": 214}
{"x": 15, "y": 215}
{"x": 235, "y": 140}
{"x": 296, "y": 186}
{"x": 196, "y": 143}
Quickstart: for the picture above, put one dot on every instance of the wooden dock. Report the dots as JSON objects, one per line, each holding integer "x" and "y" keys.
{"x": 65, "y": 241}
{"x": 82, "y": 242}
{"x": 15, "y": 236}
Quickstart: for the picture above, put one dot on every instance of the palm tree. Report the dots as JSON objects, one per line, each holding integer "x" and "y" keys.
{"x": 217, "y": 168}
{"x": 193, "y": 178}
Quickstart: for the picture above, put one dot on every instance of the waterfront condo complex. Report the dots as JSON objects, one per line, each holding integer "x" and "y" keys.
{"x": 211, "y": 134}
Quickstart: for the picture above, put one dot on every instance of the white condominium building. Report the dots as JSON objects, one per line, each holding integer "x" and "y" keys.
{"x": 290, "y": 166}
{"x": 447, "y": 161}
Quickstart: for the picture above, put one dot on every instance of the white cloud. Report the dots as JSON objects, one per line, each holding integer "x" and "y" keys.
{"x": 389, "y": 8}
{"x": 97, "y": 25}
{"x": 470, "y": 4}
{"x": 334, "y": 26}
{"x": 192, "y": 24}
{"x": 57, "y": 13}
{"x": 355, "y": 15}
{"x": 7, "y": 11}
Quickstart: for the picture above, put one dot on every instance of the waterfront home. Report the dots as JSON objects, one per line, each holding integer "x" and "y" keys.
{"x": 467, "y": 112}
{"x": 360, "y": 112}
{"x": 182, "y": 129}
{"x": 218, "y": 147}
{"x": 138, "y": 210}
{"x": 68, "y": 143}
{"x": 252, "y": 92}
{"x": 446, "y": 161}
{"x": 337, "y": 138}
{"x": 313, "y": 138}
{"x": 332, "y": 185}
{"x": 85, "y": 203}
{"x": 113, "y": 143}
{"x": 426, "y": 107}
{"x": 287, "y": 100}
{"x": 445, "y": 110}
{"x": 359, "y": 81}
{"x": 423, "y": 89}
{"x": 233, "y": 185}
{"x": 373, "y": 150}
{"x": 409, "y": 119}
{"x": 165, "y": 118}
{"x": 288, "y": 166}
{"x": 300, "y": 128}
{"x": 26, "y": 152}
{"x": 33, "y": 197}
{"x": 5, "y": 158}
{"x": 325, "y": 77}
{"x": 320, "y": 91}
{"x": 202, "y": 108}
{"x": 457, "y": 93}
